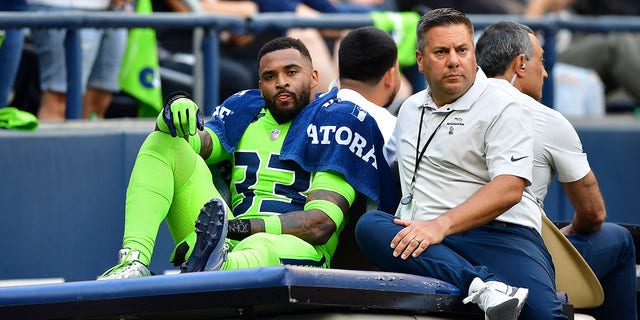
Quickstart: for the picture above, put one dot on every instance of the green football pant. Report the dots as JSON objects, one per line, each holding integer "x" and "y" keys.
{"x": 170, "y": 181}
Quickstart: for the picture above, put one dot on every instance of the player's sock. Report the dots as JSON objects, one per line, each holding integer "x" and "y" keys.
{"x": 148, "y": 199}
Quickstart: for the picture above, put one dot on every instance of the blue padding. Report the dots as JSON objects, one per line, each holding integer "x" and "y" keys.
{"x": 62, "y": 199}
{"x": 267, "y": 277}
{"x": 373, "y": 280}
{"x": 613, "y": 153}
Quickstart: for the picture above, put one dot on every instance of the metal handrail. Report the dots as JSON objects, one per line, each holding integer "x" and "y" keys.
{"x": 110, "y": 19}
{"x": 214, "y": 23}
{"x": 73, "y": 21}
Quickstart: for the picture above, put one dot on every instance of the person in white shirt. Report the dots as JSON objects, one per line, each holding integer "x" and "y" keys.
{"x": 465, "y": 156}
{"x": 369, "y": 75}
{"x": 511, "y": 53}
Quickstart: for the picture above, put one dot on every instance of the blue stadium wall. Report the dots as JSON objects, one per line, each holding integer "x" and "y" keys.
{"x": 62, "y": 193}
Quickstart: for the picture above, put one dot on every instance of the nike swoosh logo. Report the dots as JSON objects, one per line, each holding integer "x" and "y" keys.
{"x": 509, "y": 291}
{"x": 517, "y": 159}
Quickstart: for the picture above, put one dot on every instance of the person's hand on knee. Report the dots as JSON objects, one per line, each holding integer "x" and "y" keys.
{"x": 180, "y": 116}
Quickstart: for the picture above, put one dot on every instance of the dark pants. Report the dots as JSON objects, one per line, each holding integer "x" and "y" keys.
{"x": 509, "y": 253}
{"x": 611, "y": 254}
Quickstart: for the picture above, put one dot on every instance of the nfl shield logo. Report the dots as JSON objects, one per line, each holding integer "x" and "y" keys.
{"x": 275, "y": 133}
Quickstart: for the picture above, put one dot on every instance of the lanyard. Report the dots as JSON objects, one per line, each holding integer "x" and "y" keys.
{"x": 419, "y": 156}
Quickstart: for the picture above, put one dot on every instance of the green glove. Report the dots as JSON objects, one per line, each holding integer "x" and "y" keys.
{"x": 180, "y": 116}
{"x": 13, "y": 118}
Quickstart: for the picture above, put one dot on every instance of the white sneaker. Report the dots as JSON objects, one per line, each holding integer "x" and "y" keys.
{"x": 499, "y": 301}
{"x": 128, "y": 266}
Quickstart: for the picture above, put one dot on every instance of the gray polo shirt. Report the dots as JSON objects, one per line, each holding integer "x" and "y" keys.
{"x": 487, "y": 133}
{"x": 557, "y": 149}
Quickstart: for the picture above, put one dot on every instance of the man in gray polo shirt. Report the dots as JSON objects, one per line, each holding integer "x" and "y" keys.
{"x": 465, "y": 156}
{"x": 511, "y": 53}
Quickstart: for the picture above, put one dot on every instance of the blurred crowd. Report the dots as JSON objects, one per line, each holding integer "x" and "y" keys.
{"x": 32, "y": 75}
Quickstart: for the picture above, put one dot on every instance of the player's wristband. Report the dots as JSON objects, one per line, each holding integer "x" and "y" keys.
{"x": 329, "y": 208}
{"x": 238, "y": 229}
{"x": 272, "y": 224}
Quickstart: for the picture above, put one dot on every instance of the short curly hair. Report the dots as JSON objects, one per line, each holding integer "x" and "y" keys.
{"x": 282, "y": 43}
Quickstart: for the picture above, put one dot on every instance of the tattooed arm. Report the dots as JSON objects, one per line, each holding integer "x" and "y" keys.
{"x": 206, "y": 143}
{"x": 314, "y": 225}
{"x": 323, "y": 213}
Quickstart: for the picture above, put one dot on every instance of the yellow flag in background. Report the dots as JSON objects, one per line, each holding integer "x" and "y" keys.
{"x": 402, "y": 27}
{"x": 139, "y": 73}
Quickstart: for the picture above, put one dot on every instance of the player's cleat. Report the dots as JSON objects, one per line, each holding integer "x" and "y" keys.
{"x": 499, "y": 301}
{"x": 210, "y": 249}
{"x": 128, "y": 266}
